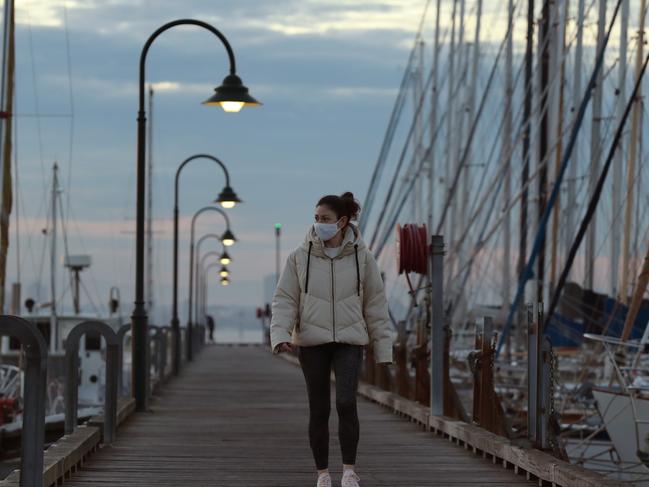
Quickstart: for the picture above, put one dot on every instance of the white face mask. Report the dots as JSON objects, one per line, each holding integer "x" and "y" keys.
{"x": 326, "y": 231}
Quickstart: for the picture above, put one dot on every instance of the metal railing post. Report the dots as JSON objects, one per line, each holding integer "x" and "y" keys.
{"x": 533, "y": 353}
{"x": 121, "y": 333}
{"x": 72, "y": 375}
{"x": 545, "y": 392}
{"x": 437, "y": 335}
{"x": 154, "y": 339}
{"x": 164, "y": 345}
{"x": 33, "y": 434}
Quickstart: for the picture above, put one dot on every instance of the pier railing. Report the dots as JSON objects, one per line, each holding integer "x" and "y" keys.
{"x": 419, "y": 385}
{"x": 72, "y": 376}
{"x": 43, "y": 468}
{"x": 33, "y": 434}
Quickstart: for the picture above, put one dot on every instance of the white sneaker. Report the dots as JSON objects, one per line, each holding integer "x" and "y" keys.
{"x": 350, "y": 479}
{"x": 324, "y": 480}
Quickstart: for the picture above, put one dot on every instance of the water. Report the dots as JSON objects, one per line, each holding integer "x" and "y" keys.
{"x": 238, "y": 333}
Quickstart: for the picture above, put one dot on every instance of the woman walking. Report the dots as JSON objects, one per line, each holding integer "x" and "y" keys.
{"x": 329, "y": 302}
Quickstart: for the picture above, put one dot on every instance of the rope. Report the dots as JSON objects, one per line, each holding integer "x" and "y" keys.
{"x": 412, "y": 250}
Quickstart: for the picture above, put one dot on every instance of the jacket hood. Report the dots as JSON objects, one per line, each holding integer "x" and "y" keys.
{"x": 352, "y": 237}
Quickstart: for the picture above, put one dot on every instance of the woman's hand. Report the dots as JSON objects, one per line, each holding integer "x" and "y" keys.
{"x": 285, "y": 347}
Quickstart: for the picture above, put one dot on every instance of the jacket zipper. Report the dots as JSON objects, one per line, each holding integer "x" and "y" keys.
{"x": 333, "y": 300}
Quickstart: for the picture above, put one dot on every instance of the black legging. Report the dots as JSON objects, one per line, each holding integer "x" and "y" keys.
{"x": 316, "y": 362}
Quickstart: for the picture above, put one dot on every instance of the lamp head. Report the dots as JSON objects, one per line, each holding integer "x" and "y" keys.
{"x": 225, "y": 259}
{"x": 228, "y": 238}
{"x": 228, "y": 198}
{"x": 224, "y": 272}
{"x": 225, "y": 281}
{"x": 232, "y": 95}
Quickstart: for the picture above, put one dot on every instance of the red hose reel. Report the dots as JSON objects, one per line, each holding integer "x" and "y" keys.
{"x": 412, "y": 250}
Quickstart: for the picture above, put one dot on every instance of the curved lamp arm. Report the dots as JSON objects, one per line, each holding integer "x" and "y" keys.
{"x": 189, "y": 159}
{"x": 169, "y": 25}
{"x": 211, "y": 266}
{"x": 209, "y": 254}
{"x": 202, "y": 239}
{"x": 209, "y": 208}
{"x": 191, "y": 256}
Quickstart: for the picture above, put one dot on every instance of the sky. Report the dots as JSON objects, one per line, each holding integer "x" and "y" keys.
{"x": 326, "y": 71}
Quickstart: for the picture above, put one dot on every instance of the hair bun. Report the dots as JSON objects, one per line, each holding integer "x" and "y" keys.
{"x": 343, "y": 205}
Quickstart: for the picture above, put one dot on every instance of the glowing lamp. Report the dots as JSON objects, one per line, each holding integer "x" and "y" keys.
{"x": 232, "y": 95}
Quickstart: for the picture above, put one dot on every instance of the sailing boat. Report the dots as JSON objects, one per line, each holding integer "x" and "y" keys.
{"x": 50, "y": 317}
{"x": 55, "y": 325}
{"x": 535, "y": 136}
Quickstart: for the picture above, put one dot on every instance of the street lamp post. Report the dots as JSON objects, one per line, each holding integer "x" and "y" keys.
{"x": 228, "y": 199}
{"x": 200, "y": 260}
{"x": 232, "y": 95}
{"x": 203, "y": 270}
{"x": 227, "y": 239}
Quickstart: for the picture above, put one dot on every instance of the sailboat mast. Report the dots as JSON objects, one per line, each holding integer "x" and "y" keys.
{"x": 527, "y": 120}
{"x": 544, "y": 45}
{"x": 460, "y": 108}
{"x": 633, "y": 145}
{"x": 54, "y": 327}
{"x": 576, "y": 97}
{"x": 559, "y": 54}
{"x": 619, "y": 155}
{"x": 6, "y": 109}
{"x": 595, "y": 149}
{"x": 449, "y": 109}
{"x": 507, "y": 153}
{"x": 470, "y": 109}
{"x": 433, "y": 121}
{"x": 417, "y": 92}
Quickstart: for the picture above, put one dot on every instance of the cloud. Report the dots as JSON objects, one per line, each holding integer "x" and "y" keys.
{"x": 361, "y": 91}
{"x": 47, "y": 13}
{"x": 325, "y": 17}
{"x": 128, "y": 89}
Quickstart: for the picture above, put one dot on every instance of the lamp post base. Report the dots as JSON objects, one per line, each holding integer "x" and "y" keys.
{"x": 176, "y": 351}
{"x": 190, "y": 348}
{"x": 139, "y": 365}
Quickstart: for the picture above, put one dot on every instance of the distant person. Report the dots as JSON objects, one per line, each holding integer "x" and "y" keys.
{"x": 329, "y": 302}
{"x": 210, "y": 328}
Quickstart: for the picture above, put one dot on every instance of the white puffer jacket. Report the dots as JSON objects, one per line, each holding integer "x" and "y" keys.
{"x": 320, "y": 300}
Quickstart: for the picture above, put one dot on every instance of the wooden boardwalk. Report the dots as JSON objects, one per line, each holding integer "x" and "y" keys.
{"x": 238, "y": 416}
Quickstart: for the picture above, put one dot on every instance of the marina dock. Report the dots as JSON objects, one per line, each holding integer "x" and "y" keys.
{"x": 458, "y": 189}
{"x": 239, "y": 416}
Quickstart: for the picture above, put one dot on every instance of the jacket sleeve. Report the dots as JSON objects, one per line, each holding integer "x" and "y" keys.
{"x": 286, "y": 301}
{"x": 375, "y": 311}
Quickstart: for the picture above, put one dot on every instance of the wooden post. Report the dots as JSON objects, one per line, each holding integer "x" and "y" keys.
{"x": 422, "y": 374}
{"x": 487, "y": 410}
{"x": 545, "y": 394}
{"x": 401, "y": 358}
{"x": 539, "y": 380}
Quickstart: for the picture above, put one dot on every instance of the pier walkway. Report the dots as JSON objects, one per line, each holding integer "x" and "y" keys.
{"x": 237, "y": 416}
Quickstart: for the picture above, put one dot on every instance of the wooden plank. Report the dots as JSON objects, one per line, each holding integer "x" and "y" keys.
{"x": 239, "y": 416}
{"x": 125, "y": 407}
{"x": 535, "y": 462}
{"x": 61, "y": 457}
